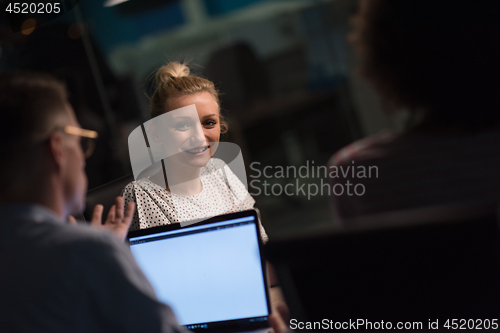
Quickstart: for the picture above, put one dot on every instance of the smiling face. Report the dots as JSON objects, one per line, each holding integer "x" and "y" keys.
{"x": 191, "y": 136}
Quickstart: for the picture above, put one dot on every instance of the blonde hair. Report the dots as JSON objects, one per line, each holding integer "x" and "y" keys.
{"x": 173, "y": 80}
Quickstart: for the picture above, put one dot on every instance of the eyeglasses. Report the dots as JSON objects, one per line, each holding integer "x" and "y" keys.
{"x": 87, "y": 138}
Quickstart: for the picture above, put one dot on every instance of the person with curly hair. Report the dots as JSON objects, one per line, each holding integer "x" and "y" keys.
{"x": 438, "y": 61}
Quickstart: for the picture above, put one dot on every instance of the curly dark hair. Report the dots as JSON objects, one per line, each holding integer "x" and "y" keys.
{"x": 441, "y": 57}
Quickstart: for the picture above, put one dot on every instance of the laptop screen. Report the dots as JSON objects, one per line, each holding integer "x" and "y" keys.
{"x": 209, "y": 273}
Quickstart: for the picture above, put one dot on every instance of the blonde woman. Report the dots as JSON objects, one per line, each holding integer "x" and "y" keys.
{"x": 190, "y": 184}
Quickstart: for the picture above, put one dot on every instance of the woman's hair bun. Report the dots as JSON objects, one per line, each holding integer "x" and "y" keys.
{"x": 171, "y": 70}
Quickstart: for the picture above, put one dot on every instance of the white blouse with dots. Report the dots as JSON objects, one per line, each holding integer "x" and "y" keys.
{"x": 222, "y": 193}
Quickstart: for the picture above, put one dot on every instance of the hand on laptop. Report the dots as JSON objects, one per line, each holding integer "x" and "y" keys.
{"x": 118, "y": 221}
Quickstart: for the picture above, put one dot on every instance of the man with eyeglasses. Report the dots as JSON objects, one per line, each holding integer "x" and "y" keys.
{"x": 58, "y": 277}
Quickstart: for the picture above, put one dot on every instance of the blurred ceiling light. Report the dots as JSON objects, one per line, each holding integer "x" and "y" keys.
{"x": 28, "y": 26}
{"x": 111, "y": 3}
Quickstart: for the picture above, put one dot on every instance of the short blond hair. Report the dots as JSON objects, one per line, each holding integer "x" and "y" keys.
{"x": 173, "y": 80}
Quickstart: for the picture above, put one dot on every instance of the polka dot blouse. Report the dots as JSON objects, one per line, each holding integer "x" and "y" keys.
{"x": 222, "y": 193}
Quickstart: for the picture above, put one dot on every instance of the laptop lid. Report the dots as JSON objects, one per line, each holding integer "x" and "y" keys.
{"x": 212, "y": 273}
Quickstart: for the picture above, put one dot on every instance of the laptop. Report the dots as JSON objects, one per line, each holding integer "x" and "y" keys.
{"x": 212, "y": 273}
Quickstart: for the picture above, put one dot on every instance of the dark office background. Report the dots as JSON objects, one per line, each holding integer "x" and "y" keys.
{"x": 285, "y": 68}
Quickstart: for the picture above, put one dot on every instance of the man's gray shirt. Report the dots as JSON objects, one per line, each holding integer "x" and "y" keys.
{"x": 56, "y": 277}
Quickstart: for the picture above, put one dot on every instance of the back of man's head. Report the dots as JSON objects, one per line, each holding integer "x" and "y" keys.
{"x": 30, "y": 104}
